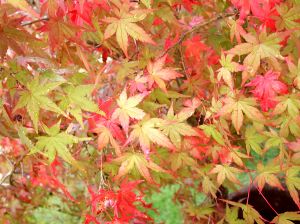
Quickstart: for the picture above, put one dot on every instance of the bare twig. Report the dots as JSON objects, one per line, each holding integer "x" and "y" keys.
{"x": 35, "y": 21}
{"x": 197, "y": 27}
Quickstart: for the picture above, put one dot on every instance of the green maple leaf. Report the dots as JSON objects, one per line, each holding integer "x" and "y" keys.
{"x": 34, "y": 97}
{"x": 258, "y": 47}
{"x": 211, "y": 131}
{"x": 250, "y": 215}
{"x": 254, "y": 140}
{"x": 285, "y": 218}
{"x": 232, "y": 216}
{"x": 277, "y": 141}
{"x": 78, "y": 100}
{"x": 288, "y": 17}
{"x": 130, "y": 161}
{"x": 225, "y": 72}
{"x": 57, "y": 143}
{"x": 293, "y": 183}
{"x": 288, "y": 125}
{"x": 267, "y": 174}
{"x": 175, "y": 126}
{"x": 289, "y": 103}
{"x": 124, "y": 24}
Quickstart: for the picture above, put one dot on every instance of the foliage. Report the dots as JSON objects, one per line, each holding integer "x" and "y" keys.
{"x": 151, "y": 111}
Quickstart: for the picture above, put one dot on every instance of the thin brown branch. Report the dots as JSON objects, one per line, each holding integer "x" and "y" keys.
{"x": 197, "y": 27}
{"x": 35, "y": 21}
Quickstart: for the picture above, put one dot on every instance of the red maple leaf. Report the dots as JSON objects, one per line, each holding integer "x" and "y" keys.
{"x": 198, "y": 144}
{"x": 194, "y": 46}
{"x": 266, "y": 88}
{"x": 122, "y": 202}
{"x": 46, "y": 176}
{"x": 82, "y": 11}
{"x": 106, "y": 121}
{"x": 188, "y": 4}
{"x": 261, "y": 9}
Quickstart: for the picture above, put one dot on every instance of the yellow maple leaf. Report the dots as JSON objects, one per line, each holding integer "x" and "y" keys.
{"x": 127, "y": 109}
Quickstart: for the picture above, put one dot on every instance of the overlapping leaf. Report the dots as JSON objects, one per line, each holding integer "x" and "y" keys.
{"x": 130, "y": 161}
{"x": 237, "y": 108}
{"x": 146, "y": 132}
{"x": 124, "y": 24}
{"x": 127, "y": 109}
{"x": 159, "y": 75}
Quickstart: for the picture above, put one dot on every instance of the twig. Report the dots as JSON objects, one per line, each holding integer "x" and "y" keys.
{"x": 35, "y": 21}
{"x": 197, "y": 27}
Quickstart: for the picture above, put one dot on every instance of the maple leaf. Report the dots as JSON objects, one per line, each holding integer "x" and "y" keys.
{"x": 56, "y": 143}
{"x": 226, "y": 171}
{"x": 13, "y": 35}
{"x": 127, "y": 109}
{"x": 293, "y": 183}
{"x": 288, "y": 17}
{"x": 294, "y": 72}
{"x": 108, "y": 130}
{"x": 197, "y": 145}
{"x": 123, "y": 202}
{"x": 124, "y": 24}
{"x": 81, "y": 11}
{"x": 250, "y": 215}
{"x": 274, "y": 139}
{"x": 286, "y": 218}
{"x": 231, "y": 215}
{"x": 77, "y": 100}
{"x": 174, "y": 126}
{"x": 35, "y": 98}
{"x": 266, "y": 174}
{"x": 236, "y": 29}
{"x": 158, "y": 74}
{"x": 146, "y": 132}
{"x": 211, "y": 131}
{"x": 288, "y": 124}
{"x": 209, "y": 187}
{"x": 238, "y": 107}
{"x": 259, "y": 8}
{"x": 46, "y": 176}
{"x": 295, "y": 147}
{"x": 53, "y": 7}
{"x": 289, "y": 103}
{"x": 257, "y": 48}
{"x": 266, "y": 87}
{"x": 228, "y": 66}
{"x": 243, "y": 5}
{"x": 181, "y": 159}
{"x": 194, "y": 46}
{"x": 129, "y": 161}
{"x": 59, "y": 31}
{"x": 254, "y": 140}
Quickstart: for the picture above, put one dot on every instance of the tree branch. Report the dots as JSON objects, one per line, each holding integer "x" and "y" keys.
{"x": 197, "y": 27}
{"x": 35, "y": 21}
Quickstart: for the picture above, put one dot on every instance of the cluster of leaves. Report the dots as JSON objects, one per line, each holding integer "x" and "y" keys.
{"x": 119, "y": 111}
